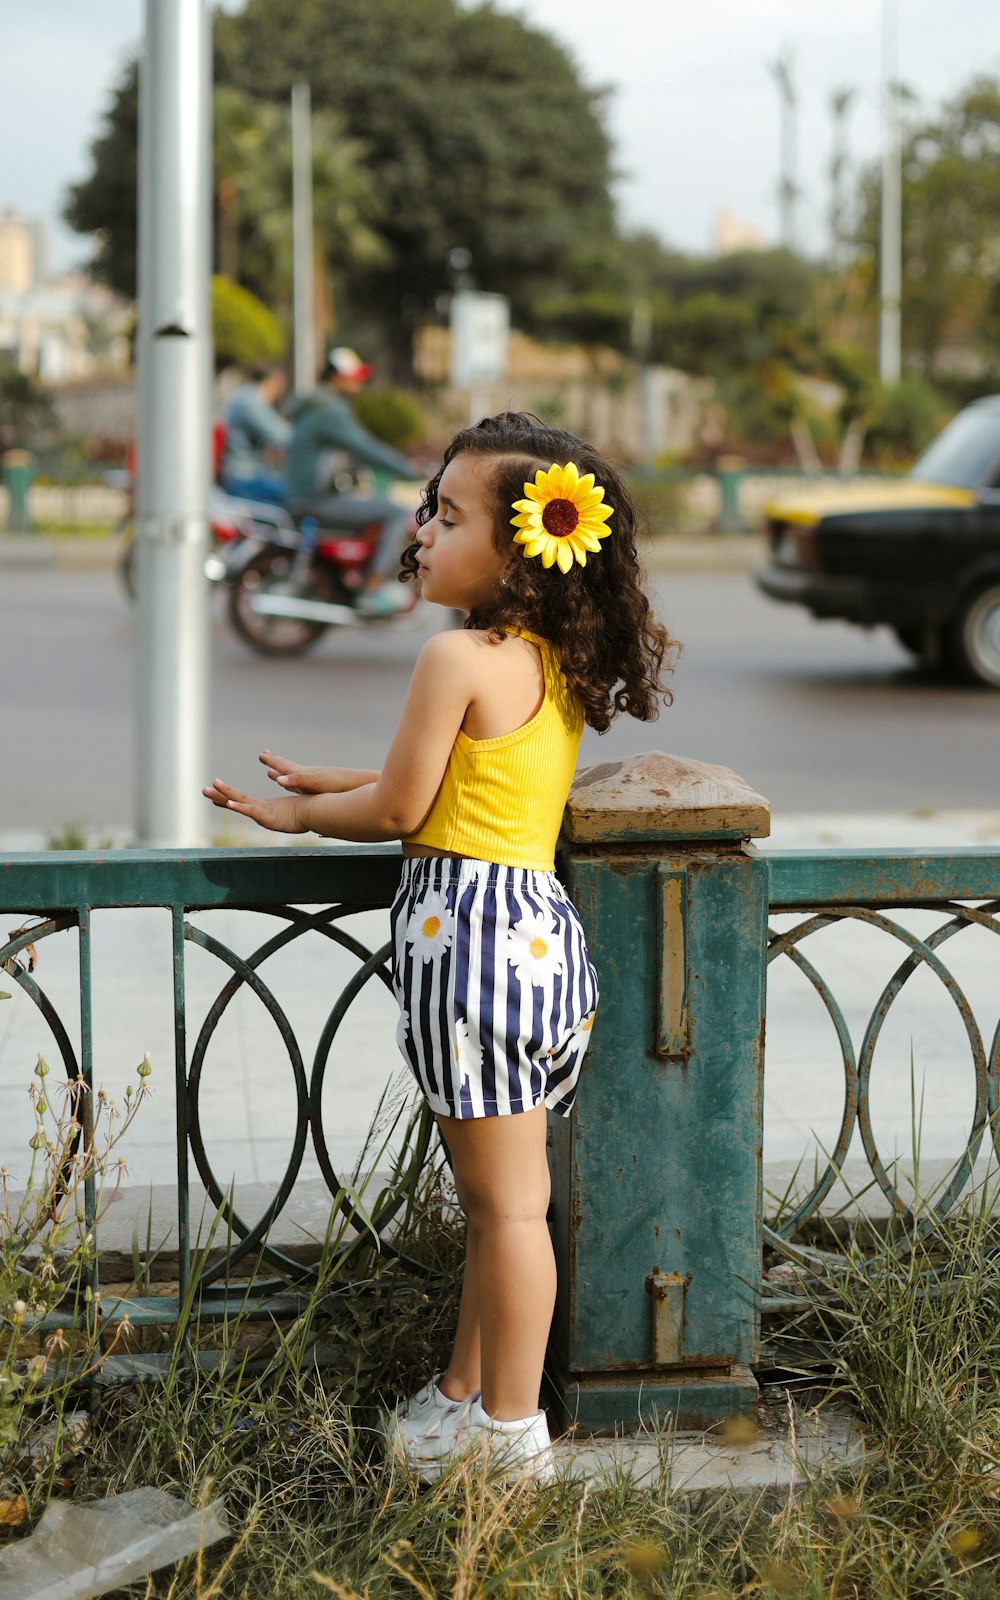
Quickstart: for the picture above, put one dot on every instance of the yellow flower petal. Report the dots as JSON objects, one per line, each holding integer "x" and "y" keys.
{"x": 586, "y": 497}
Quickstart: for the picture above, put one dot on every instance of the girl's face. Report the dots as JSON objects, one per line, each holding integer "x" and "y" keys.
{"x": 458, "y": 564}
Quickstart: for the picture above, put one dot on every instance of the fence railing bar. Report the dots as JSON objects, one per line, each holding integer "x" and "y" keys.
{"x": 181, "y": 1101}
{"x": 83, "y": 1108}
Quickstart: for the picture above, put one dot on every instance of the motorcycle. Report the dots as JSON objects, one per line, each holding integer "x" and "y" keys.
{"x": 288, "y": 584}
{"x": 230, "y": 521}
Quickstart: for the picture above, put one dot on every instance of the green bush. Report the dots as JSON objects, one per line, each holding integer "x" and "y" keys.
{"x": 245, "y": 330}
{"x": 392, "y": 415}
{"x": 906, "y": 418}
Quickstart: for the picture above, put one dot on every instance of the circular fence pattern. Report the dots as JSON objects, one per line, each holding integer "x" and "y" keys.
{"x": 921, "y": 955}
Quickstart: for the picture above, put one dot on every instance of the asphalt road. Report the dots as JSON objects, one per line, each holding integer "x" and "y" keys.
{"x": 818, "y": 717}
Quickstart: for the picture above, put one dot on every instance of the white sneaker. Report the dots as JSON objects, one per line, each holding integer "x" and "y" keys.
{"x": 518, "y": 1449}
{"x": 423, "y": 1430}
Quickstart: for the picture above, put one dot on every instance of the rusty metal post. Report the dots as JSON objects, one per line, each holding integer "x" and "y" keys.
{"x": 656, "y": 1175}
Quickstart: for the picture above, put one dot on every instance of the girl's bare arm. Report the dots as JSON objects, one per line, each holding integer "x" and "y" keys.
{"x": 399, "y": 798}
{"x": 295, "y": 778}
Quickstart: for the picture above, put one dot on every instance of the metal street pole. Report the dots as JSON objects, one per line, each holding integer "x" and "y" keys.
{"x": 889, "y": 360}
{"x": 302, "y": 240}
{"x": 642, "y": 339}
{"x": 174, "y": 358}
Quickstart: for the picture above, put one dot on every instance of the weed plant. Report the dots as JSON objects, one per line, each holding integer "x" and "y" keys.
{"x": 51, "y": 1339}
{"x": 287, "y": 1428}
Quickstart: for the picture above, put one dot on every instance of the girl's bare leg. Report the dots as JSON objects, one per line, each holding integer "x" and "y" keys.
{"x": 463, "y": 1373}
{"x": 502, "y": 1179}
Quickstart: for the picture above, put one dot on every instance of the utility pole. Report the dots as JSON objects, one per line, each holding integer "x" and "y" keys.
{"x": 889, "y": 359}
{"x": 840, "y": 105}
{"x": 642, "y": 341}
{"x": 302, "y": 240}
{"x": 788, "y": 189}
{"x": 174, "y": 360}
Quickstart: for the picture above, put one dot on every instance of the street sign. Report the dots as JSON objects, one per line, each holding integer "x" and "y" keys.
{"x": 480, "y": 329}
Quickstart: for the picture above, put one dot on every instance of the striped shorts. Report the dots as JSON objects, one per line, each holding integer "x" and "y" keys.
{"x": 496, "y": 990}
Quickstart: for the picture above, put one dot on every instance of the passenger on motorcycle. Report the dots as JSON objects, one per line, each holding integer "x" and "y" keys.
{"x": 323, "y": 422}
{"x": 255, "y": 428}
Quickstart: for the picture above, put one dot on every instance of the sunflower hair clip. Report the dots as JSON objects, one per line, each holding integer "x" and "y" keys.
{"x": 562, "y": 517}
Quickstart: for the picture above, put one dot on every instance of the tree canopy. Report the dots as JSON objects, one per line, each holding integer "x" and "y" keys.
{"x": 951, "y": 231}
{"x": 473, "y": 128}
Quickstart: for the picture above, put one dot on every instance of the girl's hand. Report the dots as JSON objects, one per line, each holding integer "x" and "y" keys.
{"x": 297, "y": 779}
{"x": 281, "y": 816}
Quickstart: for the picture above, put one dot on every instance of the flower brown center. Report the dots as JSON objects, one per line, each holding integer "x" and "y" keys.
{"x": 560, "y": 517}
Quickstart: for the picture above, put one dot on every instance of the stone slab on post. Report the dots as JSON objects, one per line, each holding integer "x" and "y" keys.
{"x": 657, "y": 1174}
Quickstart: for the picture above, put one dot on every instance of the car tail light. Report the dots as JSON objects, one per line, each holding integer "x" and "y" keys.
{"x": 794, "y": 544}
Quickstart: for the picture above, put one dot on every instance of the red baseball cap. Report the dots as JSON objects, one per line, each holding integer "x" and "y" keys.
{"x": 347, "y": 363}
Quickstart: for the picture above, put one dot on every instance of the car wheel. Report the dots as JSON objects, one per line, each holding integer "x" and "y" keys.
{"x": 974, "y": 637}
{"x": 911, "y": 637}
{"x": 923, "y": 640}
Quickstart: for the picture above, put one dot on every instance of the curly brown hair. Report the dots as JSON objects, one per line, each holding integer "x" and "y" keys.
{"x": 611, "y": 647}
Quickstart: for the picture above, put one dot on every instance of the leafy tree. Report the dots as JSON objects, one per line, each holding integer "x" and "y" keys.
{"x": 477, "y": 129}
{"x": 345, "y": 212}
{"x": 905, "y": 419}
{"x": 26, "y": 409}
{"x": 597, "y": 317}
{"x": 705, "y": 334}
{"x": 244, "y": 330}
{"x": 392, "y": 415}
{"x": 951, "y": 201}
{"x": 104, "y": 203}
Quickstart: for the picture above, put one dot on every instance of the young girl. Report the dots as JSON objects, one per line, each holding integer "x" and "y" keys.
{"x": 532, "y": 533}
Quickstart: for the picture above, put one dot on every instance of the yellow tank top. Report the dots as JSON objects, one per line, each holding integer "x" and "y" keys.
{"x": 502, "y": 799}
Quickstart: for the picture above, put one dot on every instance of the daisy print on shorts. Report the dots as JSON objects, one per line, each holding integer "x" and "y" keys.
{"x": 534, "y": 949}
{"x": 430, "y": 927}
{"x": 581, "y": 1032}
{"x": 468, "y": 1054}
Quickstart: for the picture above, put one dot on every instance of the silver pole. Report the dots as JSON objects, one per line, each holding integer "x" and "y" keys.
{"x": 889, "y": 360}
{"x": 302, "y": 240}
{"x": 174, "y": 357}
{"x": 642, "y": 338}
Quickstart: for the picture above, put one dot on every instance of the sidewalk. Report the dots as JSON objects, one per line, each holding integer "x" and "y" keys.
{"x": 708, "y": 553}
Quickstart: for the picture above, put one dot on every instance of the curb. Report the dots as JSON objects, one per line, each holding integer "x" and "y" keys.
{"x": 712, "y": 553}
{"x": 36, "y": 552}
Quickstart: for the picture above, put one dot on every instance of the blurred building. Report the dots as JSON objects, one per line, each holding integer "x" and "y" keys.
{"x": 731, "y": 234}
{"x": 596, "y": 392}
{"x": 17, "y": 254}
{"x": 56, "y": 329}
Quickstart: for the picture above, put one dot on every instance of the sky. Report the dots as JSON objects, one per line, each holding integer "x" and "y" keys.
{"x": 693, "y": 113}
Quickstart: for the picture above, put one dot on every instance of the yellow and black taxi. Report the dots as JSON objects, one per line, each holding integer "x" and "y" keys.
{"x": 921, "y": 553}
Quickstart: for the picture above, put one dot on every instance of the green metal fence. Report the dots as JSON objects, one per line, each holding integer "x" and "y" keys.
{"x": 61, "y": 891}
{"x": 658, "y": 1215}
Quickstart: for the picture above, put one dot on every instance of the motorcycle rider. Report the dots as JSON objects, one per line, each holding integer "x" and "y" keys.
{"x": 323, "y": 422}
{"x": 255, "y": 427}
